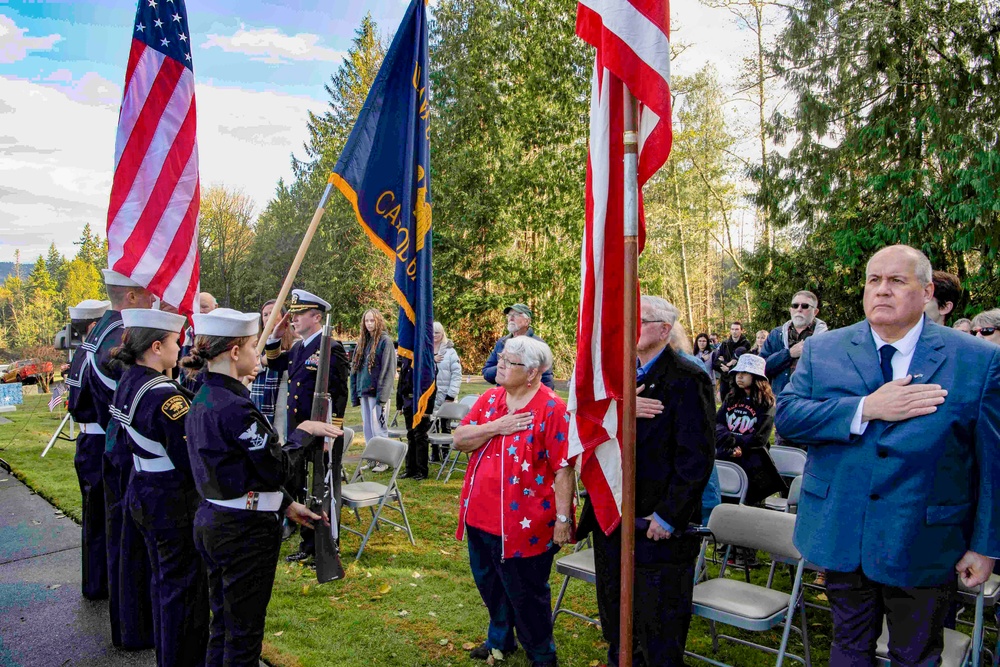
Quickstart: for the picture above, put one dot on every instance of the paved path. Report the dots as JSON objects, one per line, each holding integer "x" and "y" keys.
{"x": 44, "y": 620}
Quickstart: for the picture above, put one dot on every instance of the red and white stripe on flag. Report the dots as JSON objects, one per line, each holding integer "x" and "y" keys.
{"x": 632, "y": 38}
{"x": 155, "y": 195}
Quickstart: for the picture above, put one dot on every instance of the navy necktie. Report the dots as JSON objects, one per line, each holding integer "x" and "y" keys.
{"x": 885, "y": 361}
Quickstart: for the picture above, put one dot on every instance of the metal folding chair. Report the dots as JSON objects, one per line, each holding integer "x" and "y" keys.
{"x": 348, "y": 440}
{"x": 449, "y": 412}
{"x": 791, "y": 463}
{"x": 744, "y": 605}
{"x": 990, "y": 594}
{"x": 377, "y": 497}
{"x": 577, "y": 565}
{"x": 733, "y": 484}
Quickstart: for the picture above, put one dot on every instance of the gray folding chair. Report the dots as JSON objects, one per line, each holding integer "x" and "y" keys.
{"x": 791, "y": 463}
{"x": 377, "y": 497}
{"x": 469, "y": 400}
{"x": 960, "y": 650}
{"x": 744, "y": 605}
{"x": 394, "y": 429}
{"x": 348, "y": 440}
{"x": 989, "y": 594}
{"x": 449, "y": 412}
{"x": 577, "y": 565}
{"x": 789, "y": 504}
{"x": 733, "y": 481}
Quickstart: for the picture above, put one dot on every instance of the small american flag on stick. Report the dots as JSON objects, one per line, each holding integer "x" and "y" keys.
{"x": 58, "y": 395}
{"x": 153, "y": 213}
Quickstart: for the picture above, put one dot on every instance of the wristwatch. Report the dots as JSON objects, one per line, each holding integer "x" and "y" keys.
{"x": 562, "y": 518}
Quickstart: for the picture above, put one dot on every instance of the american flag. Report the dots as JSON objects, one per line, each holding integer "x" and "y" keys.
{"x": 633, "y": 50}
{"x": 58, "y": 395}
{"x": 153, "y": 215}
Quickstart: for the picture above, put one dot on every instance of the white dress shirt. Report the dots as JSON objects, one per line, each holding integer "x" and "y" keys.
{"x": 900, "y": 366}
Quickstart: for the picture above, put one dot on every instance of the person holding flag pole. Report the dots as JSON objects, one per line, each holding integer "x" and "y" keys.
{"x": 630, "y": 140}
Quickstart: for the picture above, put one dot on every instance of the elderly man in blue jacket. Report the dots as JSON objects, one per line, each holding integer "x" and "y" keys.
{"x": 518, "y": 324}
{"x": 900, "y": 492}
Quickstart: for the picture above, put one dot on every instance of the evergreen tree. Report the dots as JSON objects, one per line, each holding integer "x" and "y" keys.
{"x": 55, "y": 261}
{"x": 893, "y": 140}
{"x": 93, "y": 249}
{"x": 83, "y": 281}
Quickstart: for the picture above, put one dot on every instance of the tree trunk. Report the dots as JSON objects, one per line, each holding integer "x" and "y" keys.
{"x": 680, "y": 239}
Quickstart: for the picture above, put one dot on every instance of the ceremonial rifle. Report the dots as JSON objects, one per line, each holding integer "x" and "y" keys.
{"x": 324, "y": 474}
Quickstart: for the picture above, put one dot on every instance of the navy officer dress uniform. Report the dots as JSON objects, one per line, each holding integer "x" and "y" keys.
{"x": 129, "y": 596}
{"x": 301, "y": 362}
{"x": 240, "y": 471}
{"x": 88, "y": 460}
{"x": 162, "y": 499}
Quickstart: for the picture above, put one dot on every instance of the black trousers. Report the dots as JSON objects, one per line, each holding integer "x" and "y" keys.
{"x": 240, "y": 548}
{"x": 130, "y": 598}
{"x": 915, "y": 617}
{"x": 179, "y": 580}
{"x": 89, "y": 464}
{"x": 663, "y": 585}
{"x": 417, "y": 443}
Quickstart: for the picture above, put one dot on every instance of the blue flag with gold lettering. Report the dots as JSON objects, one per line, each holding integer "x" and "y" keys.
{"x": 384, "y": 172}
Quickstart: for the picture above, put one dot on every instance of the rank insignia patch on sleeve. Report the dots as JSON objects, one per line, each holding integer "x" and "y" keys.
{"x": 175, "y": 407}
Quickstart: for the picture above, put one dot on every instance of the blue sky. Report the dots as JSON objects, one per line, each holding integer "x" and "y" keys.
{"x": 260, "y": 67}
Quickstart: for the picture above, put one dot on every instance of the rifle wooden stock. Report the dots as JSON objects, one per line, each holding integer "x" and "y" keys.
{"x": 324, "y": 493}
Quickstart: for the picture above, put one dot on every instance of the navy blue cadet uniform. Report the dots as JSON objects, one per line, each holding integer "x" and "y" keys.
{"x": 162, "y": 500}
{"x": 302, "y": 362}
{"x": 237, "y": 460}
{"x": 129, "y": 597}
{"x": 88, "y": 462}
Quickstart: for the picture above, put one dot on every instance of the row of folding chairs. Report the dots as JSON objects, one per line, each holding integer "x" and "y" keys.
{"x": 447, "y": 413}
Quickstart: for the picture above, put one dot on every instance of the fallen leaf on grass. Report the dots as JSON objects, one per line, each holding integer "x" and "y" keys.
{"x": 496, "y": 654}
{"x": 442, "y": 642}
{"x": 368, "y": 575}
{"x": 383, "y": 589}
{"x": 468, "y": 646}
{"x": 416, "y": 575}
{"x": 312, "y": 620}
{"x": 402, "y": 612}
{"x": 334, "y": 598}
{"x": 305, "y": 589}
{"x": 595, "y": 663}
{"x": 278, "y": 634}
{"x": 822, "y": 596}
{"x": 414, "y": 585}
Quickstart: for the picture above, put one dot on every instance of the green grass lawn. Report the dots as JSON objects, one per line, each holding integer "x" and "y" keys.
{"x": 400, "y": 605}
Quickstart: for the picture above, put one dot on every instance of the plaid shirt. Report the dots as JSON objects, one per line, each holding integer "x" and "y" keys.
{"x": 264, "y": 392}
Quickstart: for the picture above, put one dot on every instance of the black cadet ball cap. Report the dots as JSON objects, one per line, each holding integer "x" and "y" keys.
{"x": 518, "y": 308}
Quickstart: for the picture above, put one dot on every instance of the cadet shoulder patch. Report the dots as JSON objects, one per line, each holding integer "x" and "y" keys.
{"x": 175, "y": 407}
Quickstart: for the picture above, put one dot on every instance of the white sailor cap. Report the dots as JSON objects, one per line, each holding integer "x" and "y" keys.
{"x": 226, "y": 323}
{"x": 89, "y": 309}
{"x": 118, "y": 280}
{"x": 303, "y": 300}
{"x": 147, "y": 318}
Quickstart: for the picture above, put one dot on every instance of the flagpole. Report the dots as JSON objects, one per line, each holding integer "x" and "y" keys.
{"x": 286, "y": 287}
{"x": 631, "y": 225}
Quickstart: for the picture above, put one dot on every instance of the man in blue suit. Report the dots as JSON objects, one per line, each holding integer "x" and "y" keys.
{"x": 902, "y": 486}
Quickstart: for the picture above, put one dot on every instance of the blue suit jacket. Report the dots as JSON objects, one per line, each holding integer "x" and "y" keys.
{"x": 904, "y": 500}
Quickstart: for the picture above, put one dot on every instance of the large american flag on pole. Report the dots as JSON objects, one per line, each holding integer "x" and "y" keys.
{"x": 153, "y": 214}
{"x": 632, "y": 38}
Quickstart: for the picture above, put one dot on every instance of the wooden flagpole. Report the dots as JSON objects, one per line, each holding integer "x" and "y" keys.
{"x": 286, "y": 287}
{"x": 631, "y": 224}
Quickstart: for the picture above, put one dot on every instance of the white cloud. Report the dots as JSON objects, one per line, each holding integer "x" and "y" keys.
{"x": 270, "y": 45}
{"x": 15, "y": 44}
{"x": 91, "y": 88}
{"x": 57, "y": 153}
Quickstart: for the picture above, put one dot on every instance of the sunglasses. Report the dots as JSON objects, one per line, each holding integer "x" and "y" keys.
{"x": 802, "y": 306}
{"x": 985, "y": 331}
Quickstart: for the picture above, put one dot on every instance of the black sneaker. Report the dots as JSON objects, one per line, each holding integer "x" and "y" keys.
{"x": 297, "y": 557}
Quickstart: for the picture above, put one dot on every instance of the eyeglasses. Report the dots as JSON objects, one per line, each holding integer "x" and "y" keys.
{"x": 652, "y": 321}
{"x": 502, "y": 359}
{"x": 985, "y": 331}
{"x": 801, "y": 306}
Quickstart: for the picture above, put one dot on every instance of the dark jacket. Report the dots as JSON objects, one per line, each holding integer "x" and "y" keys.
{"x": 744, "y": 423}
{"x": 674, "y": 450}
{"x": 779, "y": 360}
{"x": 301, "y": 363}
{"x": 490, "y": 369}
{"x": 727, "y": 351}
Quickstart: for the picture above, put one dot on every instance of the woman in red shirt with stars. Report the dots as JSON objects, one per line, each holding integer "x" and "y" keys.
{"x": 516, "y": 505}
